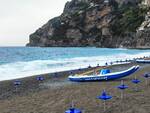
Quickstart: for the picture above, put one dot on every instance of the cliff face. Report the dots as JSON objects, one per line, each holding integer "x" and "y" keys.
{"x": 143, "y": 33}
{"x": 100, "y": 23}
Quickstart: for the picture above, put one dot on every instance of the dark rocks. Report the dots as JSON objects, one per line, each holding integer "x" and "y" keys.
{"x": 99, "y": 23}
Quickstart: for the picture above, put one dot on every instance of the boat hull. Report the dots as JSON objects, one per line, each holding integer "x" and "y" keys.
{"x": 143, "y": 61}
{"x": 107, "y": 77}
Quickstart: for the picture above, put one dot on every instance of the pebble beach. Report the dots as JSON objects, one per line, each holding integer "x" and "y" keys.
{"x": 55, "y": 93}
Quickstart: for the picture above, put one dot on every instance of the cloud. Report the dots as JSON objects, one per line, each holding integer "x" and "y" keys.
{"x": 20, "y": 18}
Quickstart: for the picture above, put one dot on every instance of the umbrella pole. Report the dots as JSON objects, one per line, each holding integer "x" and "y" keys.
{"x": 83, "y": 111}
{"x": 122, "y": 94}
{"x": 104, "y": 106}
{"x": 146, "y": 82}
{"x": 72, "y": 104}
{"x": 16, "y": 89}
{"x": 39, "y": 83}
{"x": 122, "y": 100}
{"x": 136, "y": 87}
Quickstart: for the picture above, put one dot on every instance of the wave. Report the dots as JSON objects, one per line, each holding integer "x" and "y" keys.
{"x": 30, "y": 68}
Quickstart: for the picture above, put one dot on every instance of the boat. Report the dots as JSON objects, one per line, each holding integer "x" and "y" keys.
{"x": 143, "y": 61}
{"x": 104, "y": 75}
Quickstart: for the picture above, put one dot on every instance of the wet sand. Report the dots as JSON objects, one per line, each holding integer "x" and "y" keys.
{"x": 55, "y": 94}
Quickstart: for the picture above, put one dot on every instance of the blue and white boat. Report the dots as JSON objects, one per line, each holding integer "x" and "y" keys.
{"x": 143, "y": 61}
{"x": 104, "y": 75}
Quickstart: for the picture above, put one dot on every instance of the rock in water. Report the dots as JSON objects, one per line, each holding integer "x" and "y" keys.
{"x": 98, "y": 23}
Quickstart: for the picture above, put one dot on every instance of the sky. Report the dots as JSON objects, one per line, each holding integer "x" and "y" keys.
{"x": 20, "y": 18}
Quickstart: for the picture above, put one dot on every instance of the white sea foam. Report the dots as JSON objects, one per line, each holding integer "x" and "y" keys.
{"x": 25, "y": 69}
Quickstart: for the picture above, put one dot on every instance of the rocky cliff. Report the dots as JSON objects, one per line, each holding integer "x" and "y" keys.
{"x": 99, "y": 23}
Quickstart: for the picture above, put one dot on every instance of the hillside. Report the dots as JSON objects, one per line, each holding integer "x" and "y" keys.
{"x": 97, "y": 23}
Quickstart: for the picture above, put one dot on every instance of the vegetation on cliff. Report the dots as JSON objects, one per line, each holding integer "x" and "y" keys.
{"x": 129, "y": 19}
{"x": 100, "y": 23}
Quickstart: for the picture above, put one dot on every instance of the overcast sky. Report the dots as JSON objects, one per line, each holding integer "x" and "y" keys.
{"x": 20, "y": 18}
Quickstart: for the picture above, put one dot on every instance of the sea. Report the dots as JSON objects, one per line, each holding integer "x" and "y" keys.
{"x": 18, "y": 62}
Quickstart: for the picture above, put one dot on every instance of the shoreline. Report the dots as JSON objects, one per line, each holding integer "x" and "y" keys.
{"x": 57, "y": 88}
{"x": 31, "y": 82}
{"x": 74, "y": 47}
{"x": 114, "y": 63}
{"x": 24, "y": 66}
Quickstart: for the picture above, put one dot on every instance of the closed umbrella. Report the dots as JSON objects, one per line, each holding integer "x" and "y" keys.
{"x": 146, "y": 76}
{"x": 122, "y": 87}
{"x": 17, "y": 83}
{"x": 73, "y": 110}
{"x": 104, "y": 97}
{"x": 136, "y": 82}
{"x": 40, "y": 78}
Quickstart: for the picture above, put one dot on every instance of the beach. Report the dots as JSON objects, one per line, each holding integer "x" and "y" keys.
{"x": 55, "y": 94}
{"x": 88, "y": 56}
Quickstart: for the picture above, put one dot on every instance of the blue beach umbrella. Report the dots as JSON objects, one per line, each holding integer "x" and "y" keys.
{"x": 71, "y": 72}
{"x": 134, "y": 59}
{"x": 111, "y": 63}
{"x": 106, "y": 64}
{"x": 56, "y": 75}
{"x": 136, "y": 82}
{"x": 89, "y": 66}
{"x": 97, "y": 65}
{"x": 122, "y": 87}
{"x": 17, "y": 83}
{"x": 120, "y": 61}
{"x": 104, "y": 97}
{"x": 73, "y": 110}
{"x": 40, "y": 78}
{"x": 146, "y": 76}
